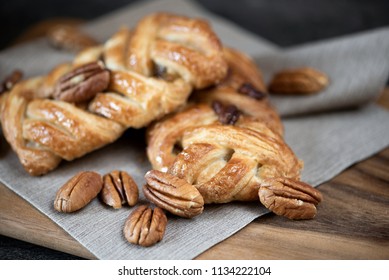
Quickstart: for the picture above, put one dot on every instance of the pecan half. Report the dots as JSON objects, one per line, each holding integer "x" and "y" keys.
{"x": 161, "y": 72}
{"x": 303, "y": 80}
{"x": 78, "y": 191}
{"x": 173, "y": 194}
{"x": 119, "y": 188}
{"x": 69, "y": 38}
{"x": 249, "y": 90}
{"x": 10, "y": 81}
{"x": 83, "y": 83}
{"x": 145, "y": 226}
{"x": 290, "y": 198}
{"x": 227, "y": 114}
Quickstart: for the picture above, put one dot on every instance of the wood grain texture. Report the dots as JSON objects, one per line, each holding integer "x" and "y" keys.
{"x": 20, "y": 220}
{"x": 352, "y": 221}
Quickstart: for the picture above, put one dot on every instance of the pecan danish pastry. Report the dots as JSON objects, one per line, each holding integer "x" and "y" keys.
{"x": 228, "y": 141}
{"x": 242, "y": 88}
{"x": 137, "y": 76}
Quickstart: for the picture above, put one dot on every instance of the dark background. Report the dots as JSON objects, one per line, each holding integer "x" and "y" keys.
{"x": 283, "y": 22}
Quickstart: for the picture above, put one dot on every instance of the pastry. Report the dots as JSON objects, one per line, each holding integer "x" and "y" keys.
{"x": 228, "y": 139}
{"x": 136, "y": 77}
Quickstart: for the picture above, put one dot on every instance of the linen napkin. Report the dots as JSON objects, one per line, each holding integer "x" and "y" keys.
{"x": 329, "y": 131}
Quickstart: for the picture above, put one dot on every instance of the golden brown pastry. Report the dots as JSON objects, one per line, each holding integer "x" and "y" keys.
{"x": 228, "y": 141}
{"x": 44, "y": 131}
{"x": 243, "y": 87}
{"x": 134, "y": 78}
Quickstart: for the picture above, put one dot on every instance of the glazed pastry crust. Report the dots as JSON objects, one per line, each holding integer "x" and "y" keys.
{"x": 248, "y": 155}
{"x": 34, "y": 160}
{"x": 135, "y": 101}
{"x": 186, "y": 47}
{"x": 43, "y": 131}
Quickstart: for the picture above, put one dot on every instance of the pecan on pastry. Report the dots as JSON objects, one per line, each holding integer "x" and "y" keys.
{"x": 43, "y": 130}
{"x": 82, "y": 83}
{"x": 225, "y": 161}
{"x": 244, "y": 88}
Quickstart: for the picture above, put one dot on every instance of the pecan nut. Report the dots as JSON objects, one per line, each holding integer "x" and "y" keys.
{"x": 10, "y": 81}
{"x": 173, "y": 194}
{"x": 83, "y": 83}
{"x": 249, "y": 90}
{"x": 145, "y": 226}
{"x": 290, "y": 198}
{"x": 78, "y": 191}
{"x": 119, "y": 188}
{"x": 69, "y": 38}
{"x": 227, "y": 114}
{"x": 303, "y": 80}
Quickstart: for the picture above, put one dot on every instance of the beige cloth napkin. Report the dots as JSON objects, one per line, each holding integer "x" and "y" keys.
{"x": 329, "y": 131}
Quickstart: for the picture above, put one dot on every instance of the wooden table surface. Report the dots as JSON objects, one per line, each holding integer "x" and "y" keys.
{"x": 352, "y": 220}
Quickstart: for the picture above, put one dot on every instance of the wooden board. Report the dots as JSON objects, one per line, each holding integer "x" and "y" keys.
{"x": 352, "y": 221}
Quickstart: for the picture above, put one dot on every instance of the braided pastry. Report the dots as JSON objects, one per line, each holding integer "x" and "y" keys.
{"x": 134, "y": 78}
{"x": 228, "y": 143}
{"x": 242, "y": 86}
